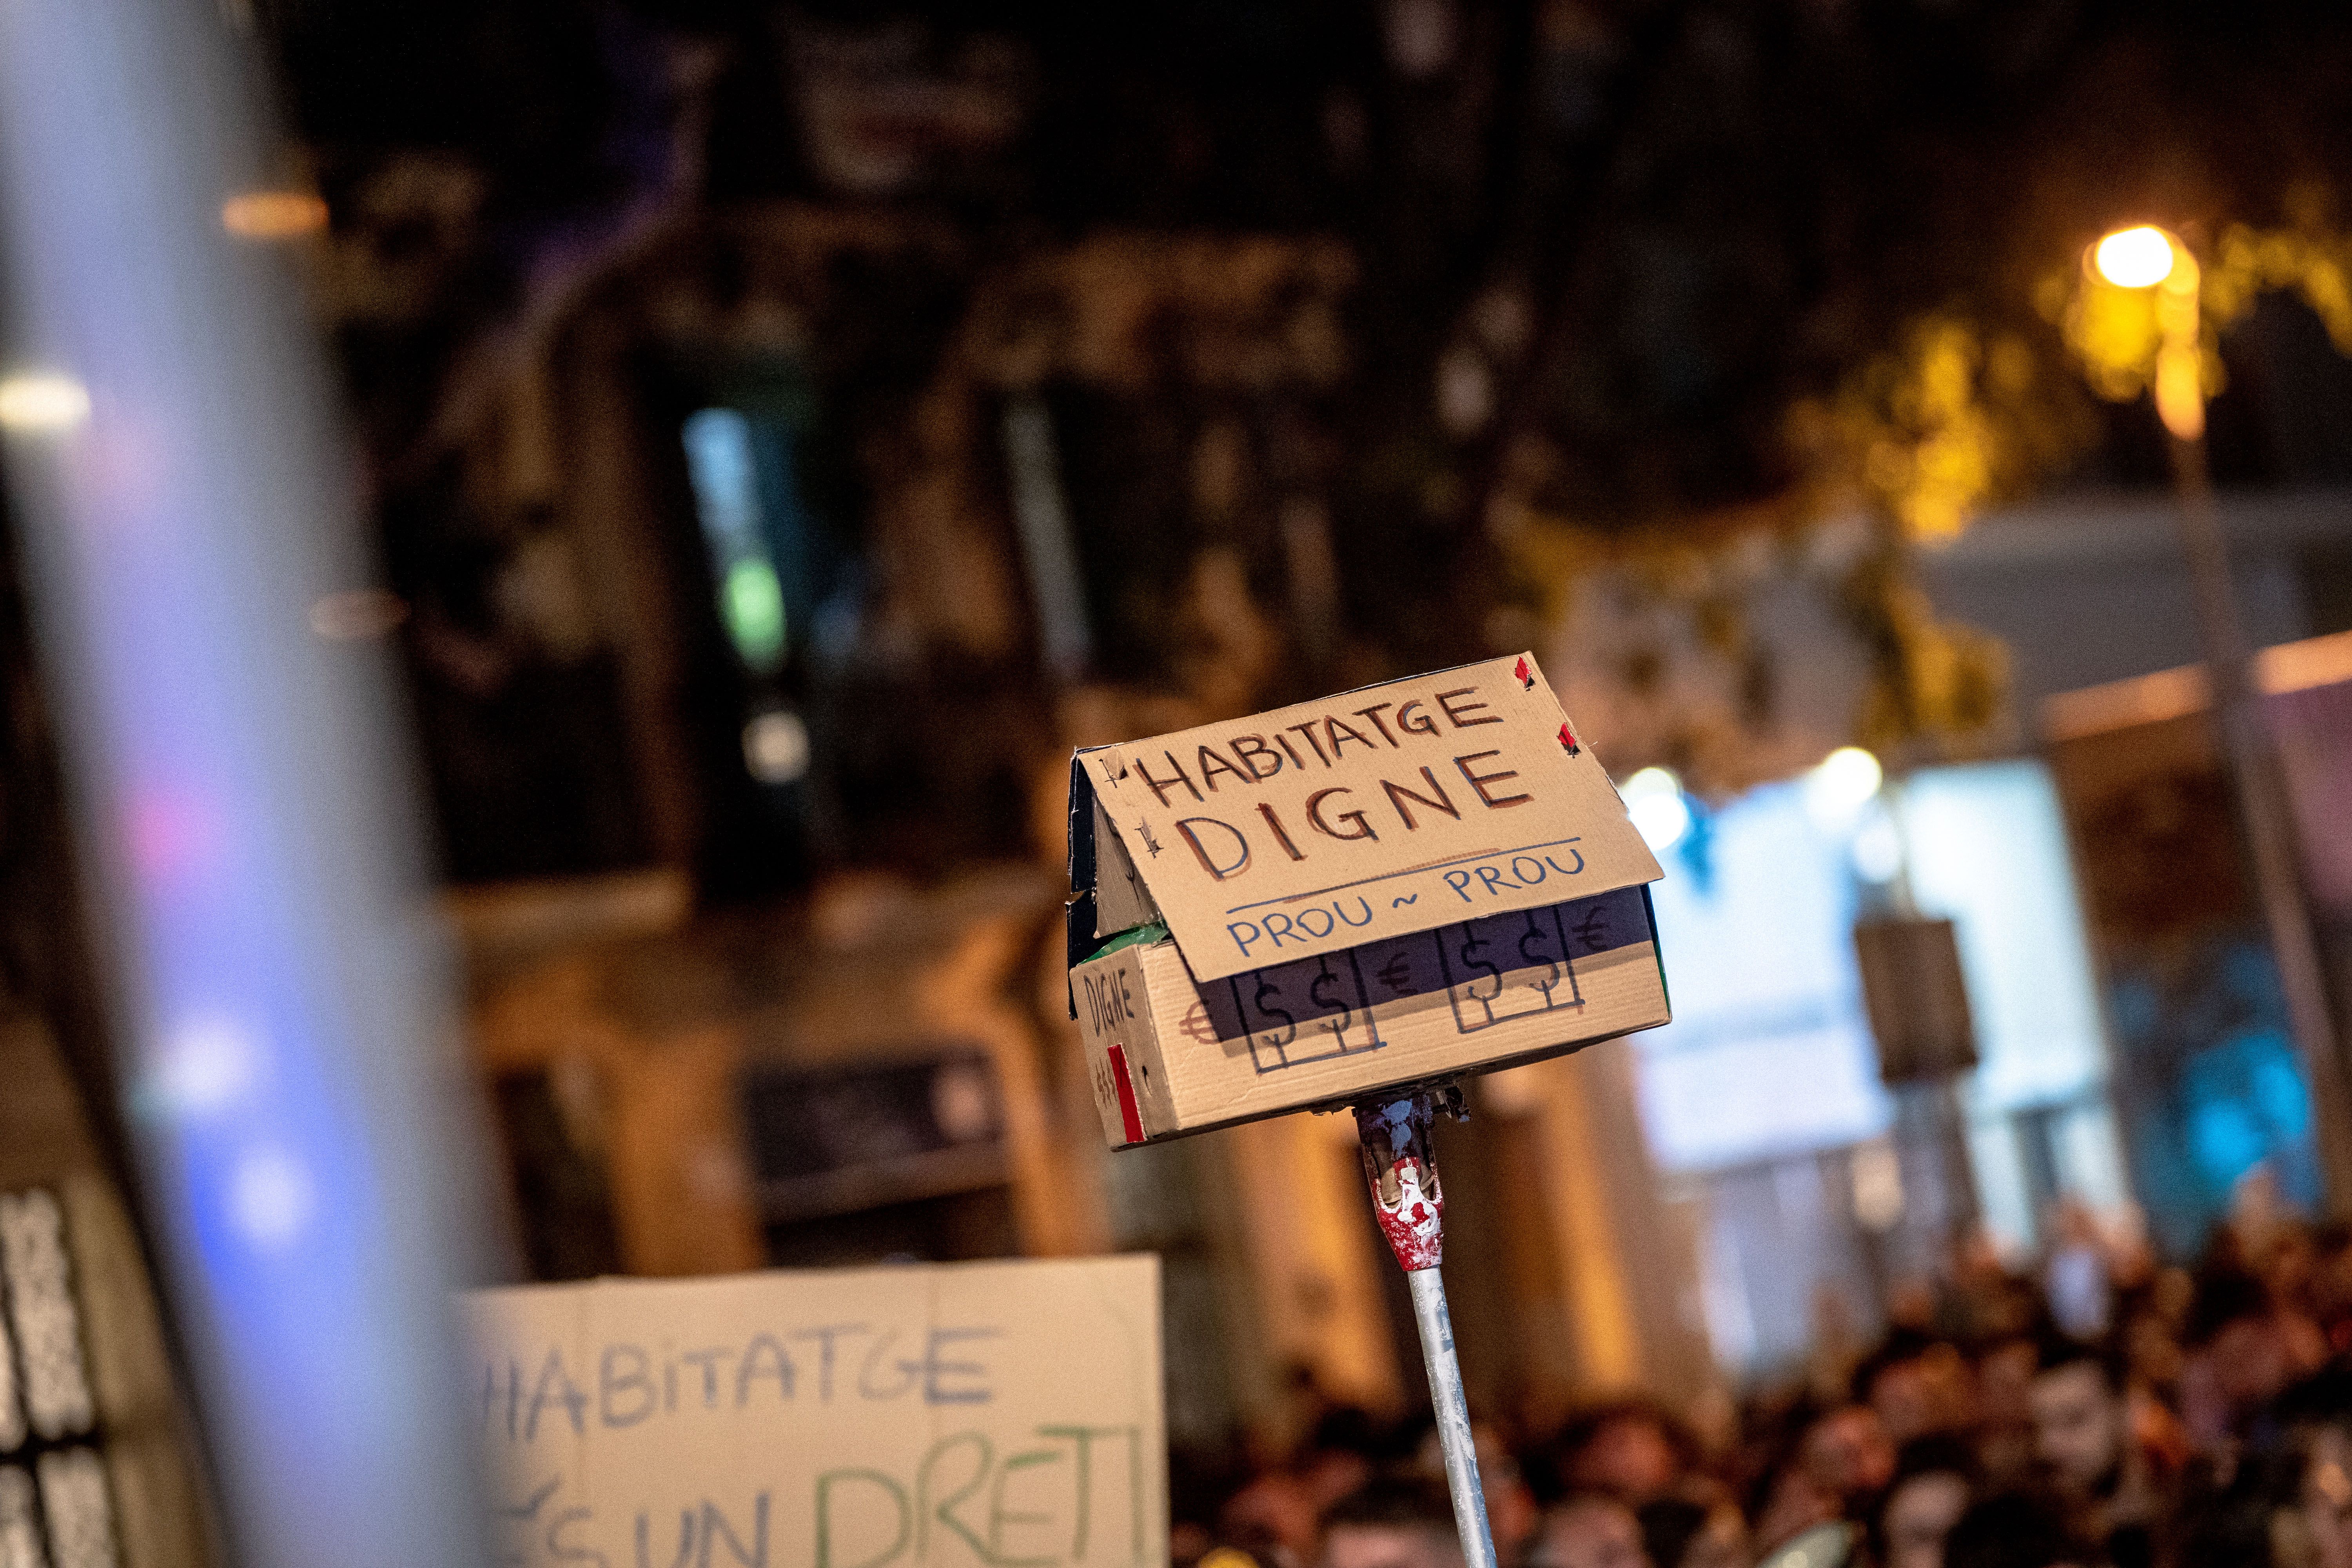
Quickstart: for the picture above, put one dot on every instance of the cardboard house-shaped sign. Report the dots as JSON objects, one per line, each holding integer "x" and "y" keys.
{"x": 1400, "y": 884}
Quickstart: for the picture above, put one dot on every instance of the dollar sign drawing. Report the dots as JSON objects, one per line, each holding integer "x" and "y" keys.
{"x": 1196, "y": 1024}
{"x": 1338, "y": 1027}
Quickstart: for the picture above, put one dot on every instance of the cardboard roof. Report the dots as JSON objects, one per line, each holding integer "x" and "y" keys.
{"x": 1375, "y": 813}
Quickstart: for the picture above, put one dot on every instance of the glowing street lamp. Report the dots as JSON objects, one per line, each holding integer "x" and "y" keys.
{"x": 2144, "y": 257}
{"x": 2135, "y": 257}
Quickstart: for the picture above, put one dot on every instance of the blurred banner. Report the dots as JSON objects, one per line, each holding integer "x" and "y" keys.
{"x": 851, "y": 1415}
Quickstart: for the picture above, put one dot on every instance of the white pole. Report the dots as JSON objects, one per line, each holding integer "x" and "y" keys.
{"x": 1453, "y": 1407}
{"x": 277, "y": 991}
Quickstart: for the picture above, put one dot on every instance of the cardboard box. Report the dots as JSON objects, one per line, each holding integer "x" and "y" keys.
{"x": 948, "y": 1415}
{"x": 1405, "y": 883}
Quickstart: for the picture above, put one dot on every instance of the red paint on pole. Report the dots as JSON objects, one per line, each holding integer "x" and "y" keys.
{"x": 1415, "y": 1222}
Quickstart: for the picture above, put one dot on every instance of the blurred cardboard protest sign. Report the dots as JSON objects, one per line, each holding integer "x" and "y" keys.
{"x": 957, "y": 1414}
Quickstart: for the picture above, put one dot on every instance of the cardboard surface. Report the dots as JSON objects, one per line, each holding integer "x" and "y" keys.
{"x": 1122, "y": 899}
{"x": 951, "y": 1414}
{"x": 1168, "y": 1054}
{"x": 1379, "y": 813}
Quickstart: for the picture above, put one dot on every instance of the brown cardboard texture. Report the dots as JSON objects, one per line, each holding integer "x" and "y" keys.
{"x": 1377, "y": 813}
{"x": 954, "y": 1415}
{"x": 1371, "y": 920}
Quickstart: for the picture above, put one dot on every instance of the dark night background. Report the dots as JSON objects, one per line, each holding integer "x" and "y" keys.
{"x": 1580, "y": 266}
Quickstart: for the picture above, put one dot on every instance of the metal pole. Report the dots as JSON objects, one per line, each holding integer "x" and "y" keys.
{"x": 1445, "y": 1396}
{"x": 2262, "y": 803}
{"x": 1397, "y": 1162}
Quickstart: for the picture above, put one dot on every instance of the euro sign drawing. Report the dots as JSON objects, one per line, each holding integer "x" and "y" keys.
{"x": 1196, "y": 1024}
{"x": 1396, "y": 975}
{"x": 1592, "y": 931}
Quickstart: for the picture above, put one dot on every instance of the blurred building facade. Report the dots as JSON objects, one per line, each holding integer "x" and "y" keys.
{"x": 790, "y": 434}
{"x": 759, "y": 560}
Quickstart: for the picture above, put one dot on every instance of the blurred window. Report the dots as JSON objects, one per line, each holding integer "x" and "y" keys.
{"x": 1763, "y": 1094}
{"x": 1769, "y": 1053}
{"x": 723, "y": 467}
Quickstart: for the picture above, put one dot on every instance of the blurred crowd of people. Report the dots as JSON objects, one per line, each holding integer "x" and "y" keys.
{"x": 2098, "y": 1412}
